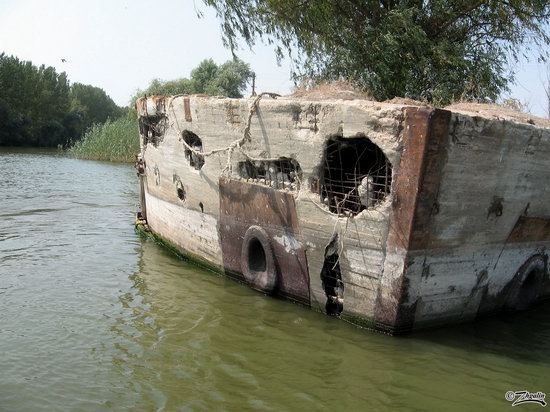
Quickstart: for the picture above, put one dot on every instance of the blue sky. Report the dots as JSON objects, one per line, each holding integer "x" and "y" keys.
{"x": 121, "y": 45}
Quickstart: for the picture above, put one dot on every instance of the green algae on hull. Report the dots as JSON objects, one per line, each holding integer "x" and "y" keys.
{"x": 145, "y": 233}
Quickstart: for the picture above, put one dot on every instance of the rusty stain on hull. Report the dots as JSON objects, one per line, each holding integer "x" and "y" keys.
{"x": 187, "y": 109}
{"x": 531, "y": 229}
{"x": 415, "y": 200}
{"x": 243, "y": 205}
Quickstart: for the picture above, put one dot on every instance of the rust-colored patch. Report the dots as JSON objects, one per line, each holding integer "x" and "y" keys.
{"x": 187, "y": 109}
{"x": 435, "y": 158}
{"x": 243, "y": 205}
{"x": 416, "y": 189}
{"x": 409, "y": 178}
{"x": 158, "y": 99}
{"x": 530, "y": 229}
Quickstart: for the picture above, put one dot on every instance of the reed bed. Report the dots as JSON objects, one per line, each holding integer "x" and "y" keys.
{"x": 115, "y": 141}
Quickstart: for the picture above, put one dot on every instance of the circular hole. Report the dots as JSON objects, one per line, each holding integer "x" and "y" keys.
{"x": 256, "y": 256}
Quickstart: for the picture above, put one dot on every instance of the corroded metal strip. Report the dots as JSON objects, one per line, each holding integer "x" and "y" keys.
{"x": 409, "y": 178}
{"x": 243, "y": 205}
{"x": 530, "y": 229}
{"x": 415, "y": 195}
{"x": 435, "y": 157}
{"x": 187, "y": 109}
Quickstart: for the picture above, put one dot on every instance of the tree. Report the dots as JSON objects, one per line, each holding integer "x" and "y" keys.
{"x": 39, "y": 107}
{"x": 434, "y": 50}
{"x": 228, "y": 79}
{"x": 33, "y": 104}
{"x": 90, "y": 105}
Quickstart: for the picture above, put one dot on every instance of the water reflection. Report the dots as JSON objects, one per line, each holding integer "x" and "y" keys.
{"x": 205, "y": 342}
{"x": 94, "y": 318}
{"x": 520, "y": 336}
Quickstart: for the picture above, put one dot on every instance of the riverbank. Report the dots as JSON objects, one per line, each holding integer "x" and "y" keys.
{"x": 114, "y": 141}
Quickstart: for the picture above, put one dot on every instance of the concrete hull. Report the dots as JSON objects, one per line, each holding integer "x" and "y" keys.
{"x": 395, "y": 217}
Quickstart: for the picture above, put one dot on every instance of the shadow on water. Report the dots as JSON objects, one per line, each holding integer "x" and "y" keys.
{"x": 523, "y": 336}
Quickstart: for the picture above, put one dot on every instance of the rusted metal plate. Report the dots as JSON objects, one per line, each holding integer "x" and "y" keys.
{"x": 409, "y": 177}
{"x": 530, "y": 229}
{"x": 243, "y": 205}
{"x": 435, "y": 157}
{"x": 416, "y": 190}
{"x": 187, "y": 109}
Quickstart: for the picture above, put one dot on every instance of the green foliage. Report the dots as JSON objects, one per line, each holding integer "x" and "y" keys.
{"x": 168, "y": 88}
{"x": 38, "y": 107}
{"x": 92, "y": 105}
{"x": 228, "y": 79}
{"x": 115, "y": 140}
{"x": 33, "y": 104}
{"x": 434, "y": 50}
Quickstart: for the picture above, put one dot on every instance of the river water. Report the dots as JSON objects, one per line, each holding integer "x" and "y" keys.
{"x": 94, "y": 318}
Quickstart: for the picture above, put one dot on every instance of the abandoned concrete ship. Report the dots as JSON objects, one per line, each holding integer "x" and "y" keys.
{"x": 393, "y": 216}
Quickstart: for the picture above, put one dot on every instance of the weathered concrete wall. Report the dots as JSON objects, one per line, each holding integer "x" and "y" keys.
{"x": 487, "y": 176}
{"x": 280, "y": 128}
{"x": 443, "y": 245}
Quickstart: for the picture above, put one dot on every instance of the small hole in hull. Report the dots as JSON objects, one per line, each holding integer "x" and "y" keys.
{"x": 193, "y": 141}
{"x": 201, "y": 206}
{"x": 181, "y": 193}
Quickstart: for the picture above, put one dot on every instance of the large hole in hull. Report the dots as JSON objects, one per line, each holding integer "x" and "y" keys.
{"x": 153, "y": 122}
{"x": 356, "y": 175}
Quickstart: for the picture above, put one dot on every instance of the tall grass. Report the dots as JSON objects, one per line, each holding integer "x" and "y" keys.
{"x": 115, "y": 141}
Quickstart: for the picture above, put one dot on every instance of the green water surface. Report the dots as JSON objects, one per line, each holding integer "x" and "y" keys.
{"x": 92, "y": 317}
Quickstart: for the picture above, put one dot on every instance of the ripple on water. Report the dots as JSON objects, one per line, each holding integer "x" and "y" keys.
{"x": 93, "y": 318}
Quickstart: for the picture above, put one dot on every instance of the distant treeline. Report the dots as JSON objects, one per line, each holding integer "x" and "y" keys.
{"x": 39, "y": 107}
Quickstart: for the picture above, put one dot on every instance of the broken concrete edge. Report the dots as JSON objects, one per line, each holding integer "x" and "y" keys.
{"x": 489, "y": 111}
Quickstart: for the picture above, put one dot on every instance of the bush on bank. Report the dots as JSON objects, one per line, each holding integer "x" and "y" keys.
{"x": 115, "y": 141}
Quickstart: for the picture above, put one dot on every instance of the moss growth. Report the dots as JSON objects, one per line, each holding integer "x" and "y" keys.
{"x": 175, "y": 250}
{"x": 359, "y": 322}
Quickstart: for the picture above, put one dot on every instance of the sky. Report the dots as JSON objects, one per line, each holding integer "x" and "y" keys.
{"x": 121, "y": 45}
